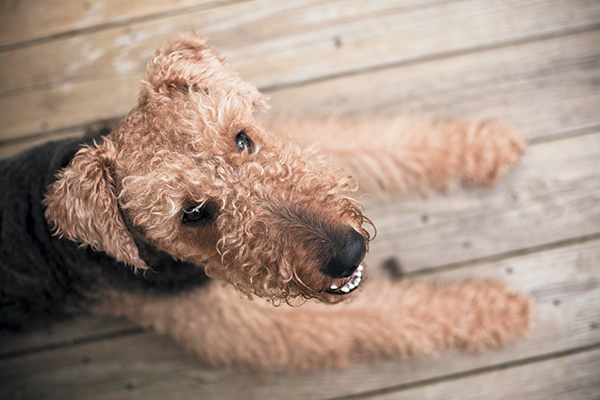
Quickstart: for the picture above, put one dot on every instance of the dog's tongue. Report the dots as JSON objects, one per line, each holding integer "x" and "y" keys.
{"x": 350, "y": 285}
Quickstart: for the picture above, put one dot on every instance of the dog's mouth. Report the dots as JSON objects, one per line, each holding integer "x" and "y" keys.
{"x": 347, "y": 285}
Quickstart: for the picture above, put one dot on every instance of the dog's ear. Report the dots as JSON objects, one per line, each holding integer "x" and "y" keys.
{"x": 187, "y": 63}
{"x": 81, "y": 205}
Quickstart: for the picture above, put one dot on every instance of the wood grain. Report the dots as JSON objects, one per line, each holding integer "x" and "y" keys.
{"x": 66, "y": 107}
{"x": 274, "y": 43}
{"x": 553, "y": 195}
{"x": 63, "y": 334}
{"x": 542, "y": 87}
{"x": 548, "y": 81}
{"x": 23, "y": 21}
{"x": 571, "y": 377}
{"x": 13, "y": 148}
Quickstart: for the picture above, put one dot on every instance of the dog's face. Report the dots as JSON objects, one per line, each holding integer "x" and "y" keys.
{"x": 191, "y": 173}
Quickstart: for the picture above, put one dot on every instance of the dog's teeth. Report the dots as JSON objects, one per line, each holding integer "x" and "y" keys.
{"x": 352, "y": 283}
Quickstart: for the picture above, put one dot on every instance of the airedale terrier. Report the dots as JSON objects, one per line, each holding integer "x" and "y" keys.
{"x": 189, "y": 186}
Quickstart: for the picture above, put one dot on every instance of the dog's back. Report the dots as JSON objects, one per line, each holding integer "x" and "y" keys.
{"x": 45, "y": 278}
{"x": 34, "y": 278}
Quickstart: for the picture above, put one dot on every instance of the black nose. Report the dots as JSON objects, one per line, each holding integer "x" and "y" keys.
{"x": 348, "y": 257}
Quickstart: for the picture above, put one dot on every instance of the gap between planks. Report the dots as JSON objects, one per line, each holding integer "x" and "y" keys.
{"x": 431, "y": 58}
{"x": 504, "y": 256}
{"x": 124, "y": 21}
{"x": 71, "y": 342}
{"x": 472, "y": 373}
{"x": 314, "y": 53}
{"x": 534, "y": 205}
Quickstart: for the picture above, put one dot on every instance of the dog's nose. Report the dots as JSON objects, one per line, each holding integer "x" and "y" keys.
{"x": 349, "y": 257}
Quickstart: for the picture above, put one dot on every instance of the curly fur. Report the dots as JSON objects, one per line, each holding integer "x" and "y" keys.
{"x": 273, "y": 216}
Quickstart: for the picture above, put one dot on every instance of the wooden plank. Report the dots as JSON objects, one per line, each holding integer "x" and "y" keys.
{"x": 541, "y": 87}
{"x": 565, "y": 283}
{"x": 122, "y": 51}
{"x": 276, "y": 43}
{"x": 112, "y": 364}
{"x": 66, "y": 107}
{"x": 572, "y": 377}
{"x": 23, "y": 21}
{"x": 401, "y": 35}
{"x": 13, "y": 148}
{"x": 553, "y": 195}
{"x": 63, "y": 334}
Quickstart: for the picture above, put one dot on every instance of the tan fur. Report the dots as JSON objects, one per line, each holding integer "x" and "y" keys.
{"x": 386, "y": 320}
{"x": 273, "y": 209}
{"x": 408, "y": 153}
{"x": 85, "y": 191}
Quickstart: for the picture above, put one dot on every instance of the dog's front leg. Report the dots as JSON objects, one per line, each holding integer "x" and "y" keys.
{"x": 385, "y": 320}
{"x": 409, "y": 153}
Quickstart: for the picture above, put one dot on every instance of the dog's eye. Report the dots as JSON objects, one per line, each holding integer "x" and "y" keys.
{"x": 243, "y": 142}
{"x": 197, "y": 216}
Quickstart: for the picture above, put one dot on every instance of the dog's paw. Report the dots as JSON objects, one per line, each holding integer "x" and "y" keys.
{"x": 494, "y": 149}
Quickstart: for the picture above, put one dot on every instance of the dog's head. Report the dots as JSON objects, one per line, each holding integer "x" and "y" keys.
{"x": 191, "y": 173}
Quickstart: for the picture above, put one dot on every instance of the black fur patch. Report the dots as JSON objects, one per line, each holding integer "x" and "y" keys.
{"x": 44, "y": 278}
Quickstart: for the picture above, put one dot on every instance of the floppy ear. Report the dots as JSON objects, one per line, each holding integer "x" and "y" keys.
{"x": 81, "y": 205}
{"x": 187, "y": 63}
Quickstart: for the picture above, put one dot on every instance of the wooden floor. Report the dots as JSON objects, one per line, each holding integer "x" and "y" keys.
{"x": 532, "y": 64}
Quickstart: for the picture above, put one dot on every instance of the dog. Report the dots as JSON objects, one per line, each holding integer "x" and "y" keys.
{"x": 190, "y": 211}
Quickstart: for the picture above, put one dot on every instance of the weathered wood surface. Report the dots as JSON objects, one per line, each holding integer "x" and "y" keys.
{"x": 574, "y": 376}
{"x": 533, "y": 65}
{"x": 274, "y": 43}
{"x": 550, "y": 90}
{"x": 25, "y": 21}
{"x": 149, "y": 366}
{"x": 542, "y": 201}
{"x": 16, "y": 147}
{"x": 541, "y": 87}
{"x": 63, "y": 74}
{"x": 63, "y": 334}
